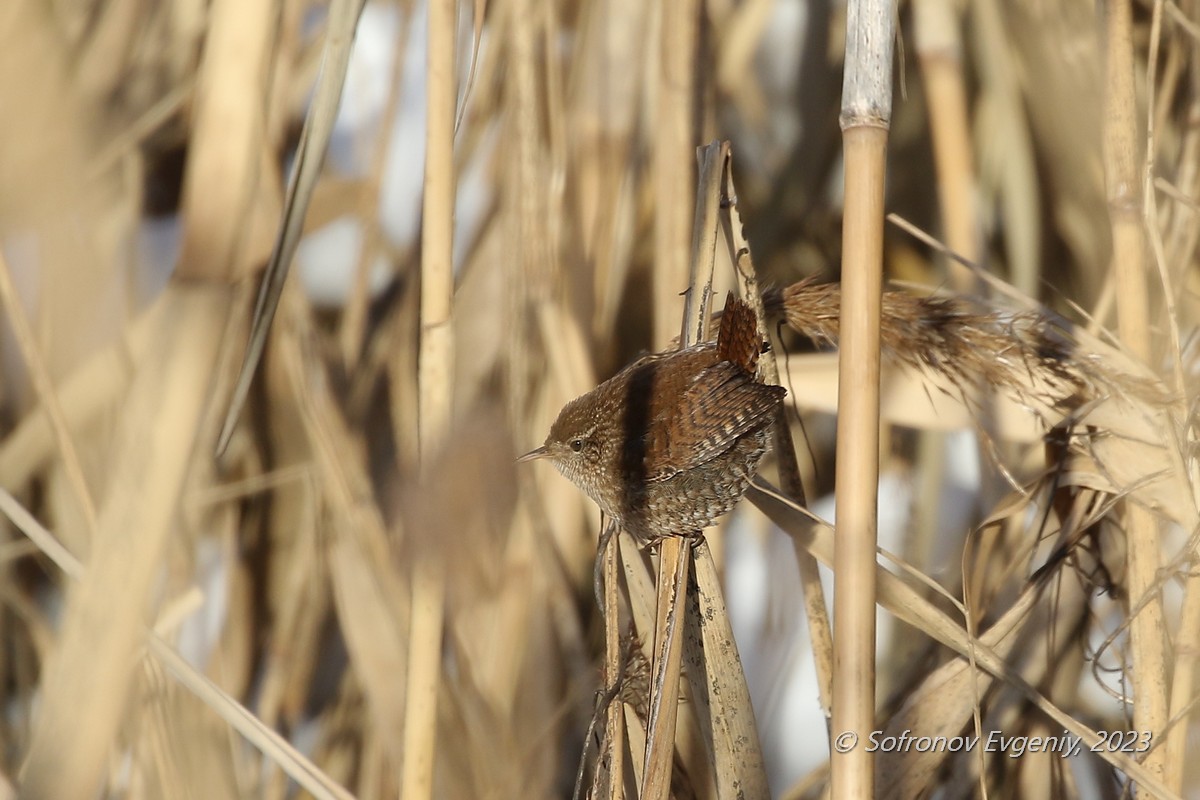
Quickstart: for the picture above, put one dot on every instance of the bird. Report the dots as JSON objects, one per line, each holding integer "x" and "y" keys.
{"x": 670, "y": 443}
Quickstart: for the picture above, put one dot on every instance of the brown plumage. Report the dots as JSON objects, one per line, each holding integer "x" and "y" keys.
{"x": 670, "y": 443}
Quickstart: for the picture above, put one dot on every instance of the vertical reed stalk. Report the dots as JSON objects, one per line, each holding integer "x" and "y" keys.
{"x": 819, "y": 630}
{"x": 865, "y": 118}
{"x": 939, "y": 48}
{"x": 1146, "y": 628}
{"x": 674, "y": 565}
{"x": 673, "y": 145}
{"x": 675, "y": 553}
{"x": 435, "y": 372}
{"x": 1187, "y": 640}
{"x": 614, "y": 739}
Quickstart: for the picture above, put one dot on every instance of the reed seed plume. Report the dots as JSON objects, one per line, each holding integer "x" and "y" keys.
{"x": 1032, "y": 354}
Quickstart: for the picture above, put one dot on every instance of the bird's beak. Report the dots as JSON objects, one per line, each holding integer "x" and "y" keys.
{"x": 540, "y": 452}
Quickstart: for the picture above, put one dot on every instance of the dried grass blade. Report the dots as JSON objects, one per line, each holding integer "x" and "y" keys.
{"x": 310, "y": 154}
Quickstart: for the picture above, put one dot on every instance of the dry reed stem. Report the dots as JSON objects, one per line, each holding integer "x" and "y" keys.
{"x": 715, "y": 676}
{"x": 865, "y": 118}
{"x": 674, "y": 559}
{"x": 434, "y": 374}
{"x": 819, "y": 628}
{"x": 673, "y": 140}
{"x": 528, "y": 191}
{"x": 613, "y": 750}
{"x": 712, "y": 159}
{"x": 1006, "y": 157}
{"x": 858, "y": 458}
{"x": 1181, "y": 695}
{"x": 103, "y": 622}
{"x": 939, "y": 49}
{"x": 937, "y": 39}
{"x": 224, "y": 170}
{"x": 1147, "y": 627}
{"x": 676, "y": 553}
{"x": 642, "y": 593}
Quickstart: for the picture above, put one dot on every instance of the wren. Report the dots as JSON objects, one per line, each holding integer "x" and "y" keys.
{"x": 670, "y": 443}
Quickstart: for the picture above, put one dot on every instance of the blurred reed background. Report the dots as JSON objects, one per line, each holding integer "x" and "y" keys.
{"x": 145, "y": 151}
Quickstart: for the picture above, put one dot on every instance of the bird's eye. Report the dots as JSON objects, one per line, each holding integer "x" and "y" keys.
{"x": 577, "y": 445}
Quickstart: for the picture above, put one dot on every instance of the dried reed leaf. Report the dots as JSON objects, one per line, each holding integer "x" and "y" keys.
{"x": 1063, "y": 105}
{"x": 371, "y": 599}
{"x": 719, "y": 689}
{"x": 945, "y": 703}
{"x": 310, "y": 153}
{"x": 908, "y": 606}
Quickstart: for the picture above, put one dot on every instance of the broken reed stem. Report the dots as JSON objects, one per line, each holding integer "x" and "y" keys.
{"x": 865, "y": 117}
{"x": 819, "y": 629}
{"x": 675, "y": 553}
{"x": 1146, "y": 628}
{"x": 435, "y": 371}
{"x": 712, "y": 159}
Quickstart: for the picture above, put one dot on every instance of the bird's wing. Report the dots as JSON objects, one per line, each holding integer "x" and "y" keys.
{"x": 721, "y": 404}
